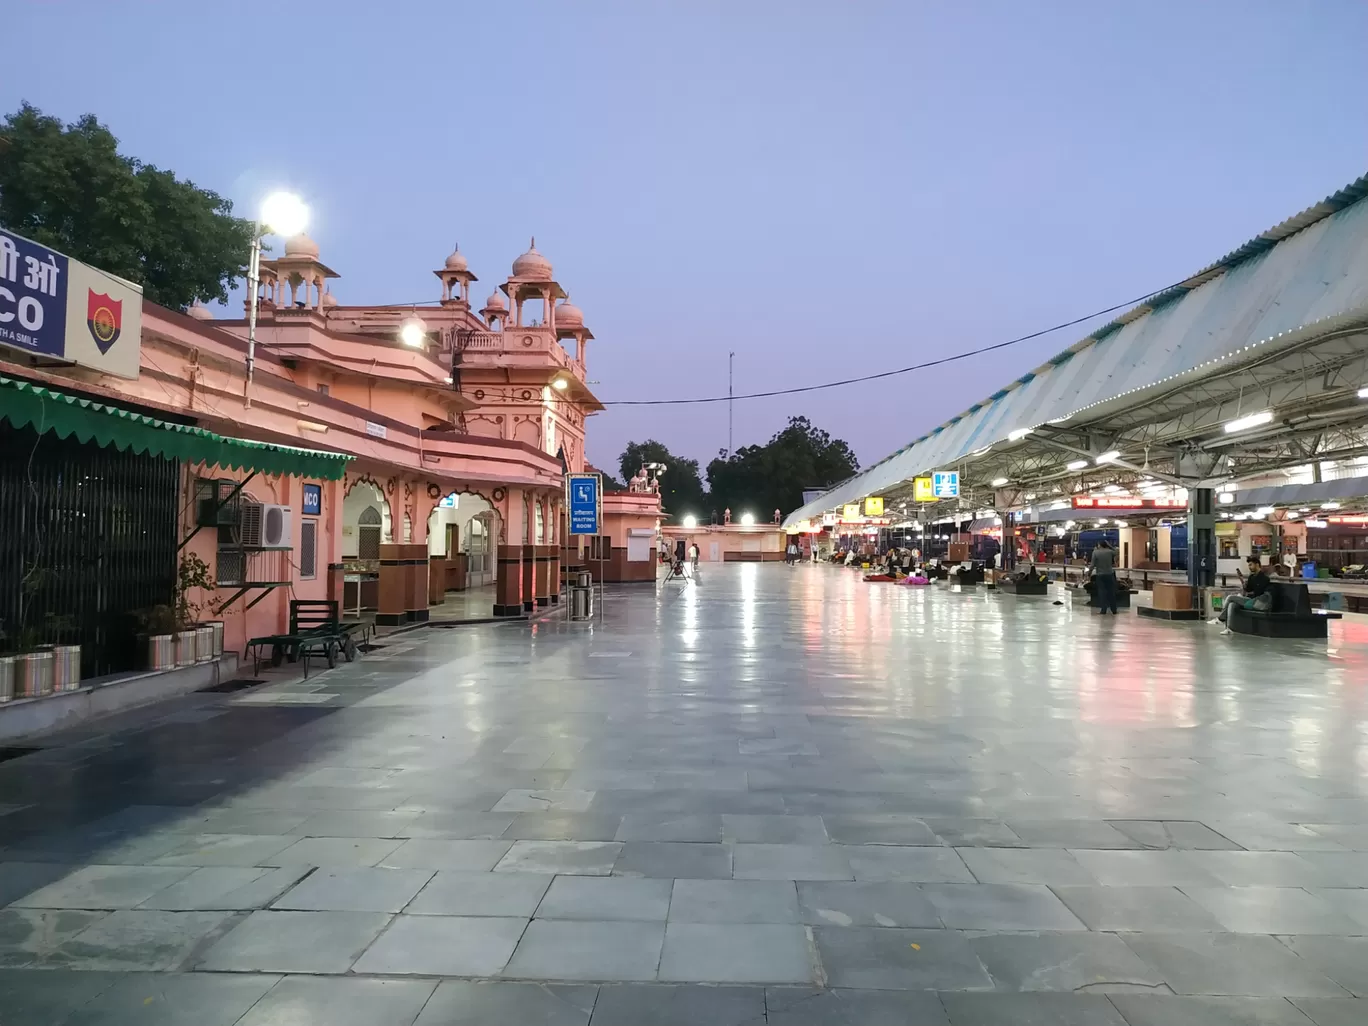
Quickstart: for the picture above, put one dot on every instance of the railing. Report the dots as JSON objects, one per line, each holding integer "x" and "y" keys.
{"x": 253, "y": 568}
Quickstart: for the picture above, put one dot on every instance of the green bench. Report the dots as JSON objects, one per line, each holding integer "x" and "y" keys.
{"x": 315, "y": 630}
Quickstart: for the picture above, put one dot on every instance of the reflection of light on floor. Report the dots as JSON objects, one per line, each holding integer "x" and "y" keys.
{"x": 749, "y": 573}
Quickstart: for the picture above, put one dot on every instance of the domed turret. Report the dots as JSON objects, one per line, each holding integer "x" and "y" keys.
{"x": 329, "y": 300}
{"x": 496, "y": 302}
{"x": 532, "y": 265}
{"x": 568, "y": 315}
{"x": 457, "y": 262}
{"x": 199, "y": 311}
{"x": 301, "y": 246}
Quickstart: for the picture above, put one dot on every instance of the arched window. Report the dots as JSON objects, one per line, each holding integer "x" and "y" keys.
{"x": 368, "y": 527}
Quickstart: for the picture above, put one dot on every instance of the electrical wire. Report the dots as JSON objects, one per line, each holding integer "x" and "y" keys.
{"x": 940, "y": 361}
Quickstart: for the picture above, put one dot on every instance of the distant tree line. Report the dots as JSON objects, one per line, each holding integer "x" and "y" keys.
{"x": 754, "y": 479}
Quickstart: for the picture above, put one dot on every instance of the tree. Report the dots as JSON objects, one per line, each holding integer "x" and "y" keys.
{"x": 68, "y": 187}
{"x": 759, "y": 479}
{"x": 681, "y": 486}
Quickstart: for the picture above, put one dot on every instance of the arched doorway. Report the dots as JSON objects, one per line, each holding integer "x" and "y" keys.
{"x": 368, "y": 531}
{"x": 465, "y": 525}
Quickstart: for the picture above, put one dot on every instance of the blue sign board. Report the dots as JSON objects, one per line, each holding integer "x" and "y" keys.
{"x": 583, "y": 492}
{"x": 55, "y": 307}
{"x": 313, "y": 500}
{"x": 945, "y": 484}
{"x": 33, "y": 296}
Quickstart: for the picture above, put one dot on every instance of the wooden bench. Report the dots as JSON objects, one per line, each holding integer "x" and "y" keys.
{"x": 1290, "y": 615}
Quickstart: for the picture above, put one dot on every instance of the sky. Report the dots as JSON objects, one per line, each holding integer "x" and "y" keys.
{"x": 823, "y": 189}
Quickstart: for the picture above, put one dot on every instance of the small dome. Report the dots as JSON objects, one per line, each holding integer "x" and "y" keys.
{"x": 532, "y": 265}
{"x": 329, "y": 300}
{"x": 568, "y": 315}
{"x": 495, "y": 302}
{"x": 200, "y": 312}
{"x": 457, "y": 262}
{"x": 301, "y": 246}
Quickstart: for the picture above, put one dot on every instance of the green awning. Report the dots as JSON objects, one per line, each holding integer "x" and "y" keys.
{"x": 25, "y": 404}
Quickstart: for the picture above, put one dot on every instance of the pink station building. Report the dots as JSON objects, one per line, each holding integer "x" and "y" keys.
{"x": 446, "y": 486}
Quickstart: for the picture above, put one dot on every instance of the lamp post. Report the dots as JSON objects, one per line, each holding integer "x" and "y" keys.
{"x": 282, "y": 213}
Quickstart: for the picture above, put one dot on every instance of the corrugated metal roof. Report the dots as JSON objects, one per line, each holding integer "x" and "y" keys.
{"x": 1311, "y": 267}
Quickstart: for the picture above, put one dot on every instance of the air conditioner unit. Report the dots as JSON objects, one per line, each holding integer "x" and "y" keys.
{"x": 266, "y": 526}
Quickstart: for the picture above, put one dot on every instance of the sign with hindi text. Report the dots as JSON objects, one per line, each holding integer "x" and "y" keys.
{"x": 583, "y": 494}
{"x": 55, "y": 307}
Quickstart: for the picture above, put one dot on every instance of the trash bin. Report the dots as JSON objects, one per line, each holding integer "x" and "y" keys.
{"x": 581, "y": 603}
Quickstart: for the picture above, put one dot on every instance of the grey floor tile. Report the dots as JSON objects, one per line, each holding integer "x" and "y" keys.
{"x": 791, "y": 862}
{"x": 31, "y": 998}
{"x": 1230, "y": 964}
{"x": 841, "y": 903}
{"x": 295, "y": 942}
{"x": 1258, "y": 868}
{"x": 1138, "y": 909}
{"x": 634, "y": 1004}
{"x": 803, "y": 1006}
{"x": 553, "y": 949}
{"x": 341, "y": 851}
{"x": 355, "y": 890}
{"x": 1352, "y": 902}
{"x": 1338, "y": 868}
{"x": 452, "y": 893}
{"x": 975, "y": 833}
{"x": 138, "y": 939}
{"x": 900, "y": 960}
{"x": 675, "y": 860}
{"x": 443, "y": 946}
{"x": 1063, "y": 962}
{"x": 1333, "y": 1011}
{"x": 461, "y": 1003}
{"x": 1273, "y": 910}
{"x": 1032, "y": 1010}
{"x": 1159, "y": 833}
{"x": 103, "y": 887}
{"x": 338, "y": 1001}
{"x": 1000, "y": 907}
{"x": 230, "y": 888}
{"x": 172, "y": 999}
{"x": 358, "y": 823}
{"x": 606, "y": 898}
{"x": 1024, "y": 865}
{"x": 563, "y": 826}
{"x": 1273, "y": 835}
{"x": 433, "y": 854}
{"x": 19, "y": 879}
{"x": 774, "y": 829}
{"x": 522, "y": 800}
{"x": 577, "y": 858}
{"x": 1170, "y": 868}
{"x": 460, "y": 826}
{"x": 647, "y": 826}
{"x": 1069, "y": 833}
{"x": 226, "y": 850}
{"x": 734, "y": 901}
{"x": 735, "y": 953}
{"x": 879, "y": 828}
{"x": 1343, "y": 959}
{"x": 1158, "y": 1010}
{"x": 29, "y": 935}
{"x": 876, "y": 862}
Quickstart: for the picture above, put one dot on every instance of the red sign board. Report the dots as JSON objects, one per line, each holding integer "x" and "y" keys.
{"x": 1125, "y": 502}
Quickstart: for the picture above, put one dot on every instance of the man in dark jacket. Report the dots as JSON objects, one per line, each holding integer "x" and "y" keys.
{"x": 1256, "y": 594}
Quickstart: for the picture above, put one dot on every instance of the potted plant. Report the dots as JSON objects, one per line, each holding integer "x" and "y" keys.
{"x": 175, "y": 635}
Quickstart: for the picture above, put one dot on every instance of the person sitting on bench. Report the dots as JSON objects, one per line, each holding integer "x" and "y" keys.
{"x": 1256, "y": 594}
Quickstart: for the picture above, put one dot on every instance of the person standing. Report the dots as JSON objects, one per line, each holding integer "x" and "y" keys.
{"x": 791, "y": 553}
{"x": 1103, "y": 571}
{"x": 694, "y": 552}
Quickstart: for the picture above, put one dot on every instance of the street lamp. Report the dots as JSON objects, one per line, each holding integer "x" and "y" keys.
{"x": 413, "y": 331}
{"x": 282, "y": 213}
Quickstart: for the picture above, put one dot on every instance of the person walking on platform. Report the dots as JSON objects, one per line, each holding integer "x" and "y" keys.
{"x": 1103, "y": 572}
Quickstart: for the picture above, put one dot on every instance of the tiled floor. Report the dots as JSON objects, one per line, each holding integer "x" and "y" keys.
{"x": 773, "y": 796}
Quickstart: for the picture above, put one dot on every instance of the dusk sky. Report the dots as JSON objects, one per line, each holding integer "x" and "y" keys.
{"x": 827, "y": 189}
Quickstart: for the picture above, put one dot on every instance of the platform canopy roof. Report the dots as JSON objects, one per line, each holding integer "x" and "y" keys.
{"x": 1279, "y": 325}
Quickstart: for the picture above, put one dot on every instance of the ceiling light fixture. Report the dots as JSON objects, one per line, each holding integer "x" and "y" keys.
{"x": 1252, "y": 421}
